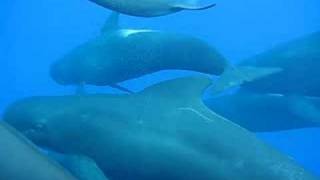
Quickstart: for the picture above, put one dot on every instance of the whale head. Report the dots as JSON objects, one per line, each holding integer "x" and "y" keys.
{"x": 86, "y": 63}
{"x": 64, "y": 71}
{"x": 29, "y": 119}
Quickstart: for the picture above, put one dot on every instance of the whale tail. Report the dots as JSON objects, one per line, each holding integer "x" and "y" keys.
{"x": 235, "y": 76}
{"x": 192, "y": 5}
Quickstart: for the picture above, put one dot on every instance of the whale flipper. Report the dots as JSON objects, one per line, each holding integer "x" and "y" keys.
{"x": 116, "y": 86}
{"x": 82, "y": 167}
{"x": 235, "y": 76}
{"x": 193, "y": 6}
{"x": 112, "y": 23}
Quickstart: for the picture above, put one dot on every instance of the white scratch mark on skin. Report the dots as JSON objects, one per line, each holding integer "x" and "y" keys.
{"x": 208, "y": 120}
{"x": 196, "y": 112}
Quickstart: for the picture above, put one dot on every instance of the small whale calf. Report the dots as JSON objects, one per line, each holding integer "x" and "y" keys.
{"x": 152, "y": 8}
{"x": 20, "y": 160}
{"x": 163, "y": 132}
{"x": 267, "y": 112}
{"x": 122, "y": 54}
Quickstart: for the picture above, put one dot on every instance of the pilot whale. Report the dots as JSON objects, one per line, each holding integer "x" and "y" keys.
{"x": 122, "y": 54}
{"x": 152, "y": 8}
{"x": 163, "y": 132}
{"x": 20, "y": 160}
{"x": 299, "y": 60}
{"x": 267, "y": 112}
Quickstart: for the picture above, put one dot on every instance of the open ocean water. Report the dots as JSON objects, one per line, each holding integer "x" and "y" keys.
{"x": 35, "y": 33}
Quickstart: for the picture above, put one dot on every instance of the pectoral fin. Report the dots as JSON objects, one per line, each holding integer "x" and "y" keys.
{"x": 116, "y": 86}
{"x": 82, "y": 167}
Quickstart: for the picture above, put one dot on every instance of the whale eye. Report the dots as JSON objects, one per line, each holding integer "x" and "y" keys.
{"x": 40, "y": 125}
{"x": 33, "y": 132}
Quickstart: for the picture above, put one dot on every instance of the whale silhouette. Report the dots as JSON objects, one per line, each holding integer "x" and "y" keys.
{"x": 163, "y": 132}
{"x": 152, "y": 8}
{"x": 123, "y": 54}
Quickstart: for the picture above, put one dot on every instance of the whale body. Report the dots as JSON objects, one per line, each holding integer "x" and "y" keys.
{"x": 123, "y": 54}
{"x": 20, "y": 160}
{"x": 152, "y": 8}
{"x": 267, "y": 112}
{"x": 299, "y": 60}
{"x": 163, "y": 132}
{"x": 128, "y": 54}
{"x": 283, "y": 100}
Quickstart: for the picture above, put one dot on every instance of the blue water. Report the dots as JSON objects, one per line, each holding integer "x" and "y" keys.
{"x": 35, "y": 33}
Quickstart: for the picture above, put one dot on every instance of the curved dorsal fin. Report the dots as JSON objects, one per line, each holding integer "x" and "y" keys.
{"x": 112, "y": 23}
{"x": 187, "y": 87}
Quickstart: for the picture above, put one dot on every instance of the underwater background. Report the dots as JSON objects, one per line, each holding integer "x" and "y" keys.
{"x": 35, "y": 33}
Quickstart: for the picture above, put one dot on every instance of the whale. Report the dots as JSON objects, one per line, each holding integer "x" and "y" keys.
{"x": 292, "y": 93}
{"x": 162, "y": 132}
{"x": 119, "y": 54}
{"x": 152, "y": 8}
{"x": 267, "y": 112}
{"x": 299, "y": 60}
{"x": 20, "y": 159}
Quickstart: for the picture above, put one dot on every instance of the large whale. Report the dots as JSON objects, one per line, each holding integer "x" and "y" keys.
{"x": 20, "y": 160}
{"x": 300, "y": 61}
{"x": 267, "y": 112}
{"x": 163, "y": 132}
{"x": 152, "y": 8}
{"x": 122, "y": 54}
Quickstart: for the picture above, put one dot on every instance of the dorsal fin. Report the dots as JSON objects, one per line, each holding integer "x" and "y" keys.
{"x": 186, "y": 87}
{"x": 112, "y": 23}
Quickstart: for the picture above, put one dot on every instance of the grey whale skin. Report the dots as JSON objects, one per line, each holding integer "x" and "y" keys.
{"x": 300, "y": 63}
{"x": 123, "y": 54}
{"x": 20, "y": 160}
{"x": 163, "y": 132}
{"x": 267, "y": 112}
{"x": 151, "y": 8}
{"x": 113, "y": 58}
